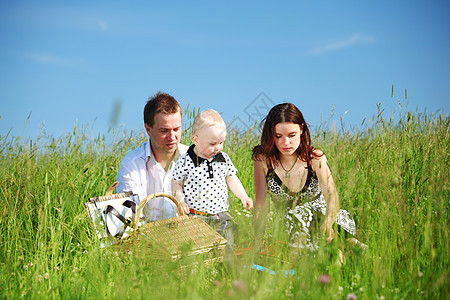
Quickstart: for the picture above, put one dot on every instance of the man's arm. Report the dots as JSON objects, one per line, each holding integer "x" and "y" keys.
{"x": 129, "y": 180}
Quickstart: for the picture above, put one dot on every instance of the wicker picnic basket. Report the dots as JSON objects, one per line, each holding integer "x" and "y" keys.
{"x": 169, "y": 239}
{"x": 172, "y": 238}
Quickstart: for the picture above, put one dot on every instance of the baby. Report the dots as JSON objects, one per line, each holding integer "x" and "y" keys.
{"x": 203, "y": 174}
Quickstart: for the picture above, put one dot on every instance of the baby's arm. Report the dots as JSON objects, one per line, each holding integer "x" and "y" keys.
{"x": 238, "y": 190}
{"x": 177, "y": 190}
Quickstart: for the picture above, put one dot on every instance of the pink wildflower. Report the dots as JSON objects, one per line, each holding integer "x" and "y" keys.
{"x": 324, "y": 279}
{"x": 351, "y": 296}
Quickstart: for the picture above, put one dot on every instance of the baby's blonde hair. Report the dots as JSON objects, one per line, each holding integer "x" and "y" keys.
{"x": 207, "y": 118}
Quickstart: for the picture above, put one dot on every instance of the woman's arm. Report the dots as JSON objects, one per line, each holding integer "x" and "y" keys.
{"x": 261, "y": 207}
{"x": 329, "y": 191}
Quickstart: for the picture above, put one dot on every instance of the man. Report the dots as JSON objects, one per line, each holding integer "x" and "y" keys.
{"x": 148, "y": 169}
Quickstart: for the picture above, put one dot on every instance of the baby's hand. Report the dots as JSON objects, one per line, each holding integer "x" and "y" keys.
{"x": 247, "y": 203}
{"x": 185, "y": 207}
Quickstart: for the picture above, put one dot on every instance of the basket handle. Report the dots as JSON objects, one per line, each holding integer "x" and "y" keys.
{"x": 144, "y": 202}
{"x": 111, "y": 188}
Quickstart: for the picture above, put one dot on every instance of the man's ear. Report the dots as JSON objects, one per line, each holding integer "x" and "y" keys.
{"x": 148, "y": 129}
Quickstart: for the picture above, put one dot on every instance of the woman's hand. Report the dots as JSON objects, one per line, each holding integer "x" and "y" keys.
{"x": 327, "y": 230}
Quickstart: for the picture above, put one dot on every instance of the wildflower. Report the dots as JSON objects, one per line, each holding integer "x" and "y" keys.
{"x": 39, "y": 278}
{"x": 341, "y": 289}
{"x": 420, "y": 274}
{"x": 30, "y": 264}
{"x": 324, "y": 279}
{"x": 231, "y": 293}
{"x": 381, "y": 298}
{"x": 217, "y": 282}
{"x": 56, "y": 268}
{"x": 46, "y": 276}
{"x": 240, "y": 286}
{"x": 351, "y": 296}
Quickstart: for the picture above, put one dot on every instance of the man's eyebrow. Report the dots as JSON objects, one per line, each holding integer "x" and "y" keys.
{"x": 167, "y": 128}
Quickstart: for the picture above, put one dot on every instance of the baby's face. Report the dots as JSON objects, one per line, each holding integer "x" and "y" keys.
{"x": 209, "y": 141}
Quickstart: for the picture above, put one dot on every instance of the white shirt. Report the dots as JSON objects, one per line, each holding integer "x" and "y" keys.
{"x": 141, "y": 174}
{"x": 204, "y": 182}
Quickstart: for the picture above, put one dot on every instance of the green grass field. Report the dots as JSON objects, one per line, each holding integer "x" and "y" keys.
{"x": 393, "y": 177}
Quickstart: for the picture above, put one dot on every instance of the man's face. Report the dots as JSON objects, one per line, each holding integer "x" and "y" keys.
{"x": 165, "y": 133}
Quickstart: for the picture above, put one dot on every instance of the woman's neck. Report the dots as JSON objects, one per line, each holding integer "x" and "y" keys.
{"x": 288, "y": 160}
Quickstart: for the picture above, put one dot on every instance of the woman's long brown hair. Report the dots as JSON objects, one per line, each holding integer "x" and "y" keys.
{"x": 281, "y": 113}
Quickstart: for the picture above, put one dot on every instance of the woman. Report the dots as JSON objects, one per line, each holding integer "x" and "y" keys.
{"x": 298, "y": 178}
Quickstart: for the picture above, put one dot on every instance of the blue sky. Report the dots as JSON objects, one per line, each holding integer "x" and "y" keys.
{"x": 67, "y": 62}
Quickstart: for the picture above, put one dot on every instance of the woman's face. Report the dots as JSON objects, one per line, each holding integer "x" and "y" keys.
{"x": 287, "y": 137}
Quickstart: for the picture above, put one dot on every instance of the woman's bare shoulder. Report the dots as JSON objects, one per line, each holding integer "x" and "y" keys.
{"x": 261, "y": 161}
{"x": 318, "y": 153}
{"x": 259, "y": 157}
{"x": 319, "y": 159}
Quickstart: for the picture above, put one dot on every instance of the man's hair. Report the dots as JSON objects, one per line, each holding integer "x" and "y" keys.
{"x": 160, "y": 103}
{"x": 207, "y": 118}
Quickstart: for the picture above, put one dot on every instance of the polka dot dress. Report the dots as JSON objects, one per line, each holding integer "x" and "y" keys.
{"x": 204, "y": 182}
